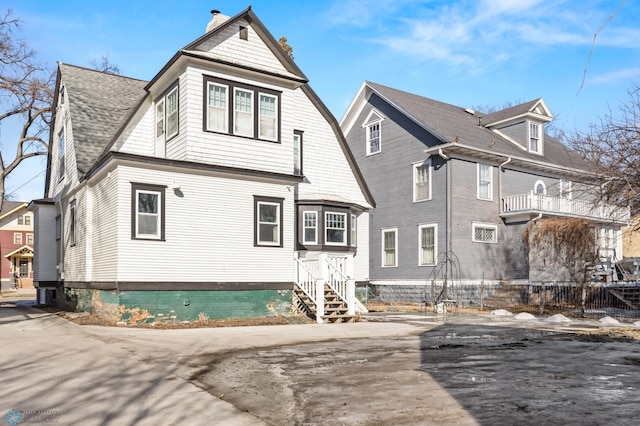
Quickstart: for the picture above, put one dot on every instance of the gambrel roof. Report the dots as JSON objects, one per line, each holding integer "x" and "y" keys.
{"x": 463, "y": 130}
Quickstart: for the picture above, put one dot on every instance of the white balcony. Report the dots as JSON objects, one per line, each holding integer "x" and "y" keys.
{"x": 516, "y": 207}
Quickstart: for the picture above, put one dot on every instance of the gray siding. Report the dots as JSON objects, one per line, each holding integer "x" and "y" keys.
{"x": 389, "y": 175}
{"x": 516, "y": 131}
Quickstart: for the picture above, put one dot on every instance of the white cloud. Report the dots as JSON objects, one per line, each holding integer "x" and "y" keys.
{"x": 486, "y": 33}
{"x": 629, "y": 74}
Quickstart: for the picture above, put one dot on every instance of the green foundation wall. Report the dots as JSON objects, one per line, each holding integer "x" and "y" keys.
{"x": 136, "y": 307}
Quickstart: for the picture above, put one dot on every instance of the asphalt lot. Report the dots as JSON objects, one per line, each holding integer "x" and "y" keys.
{"x": 392, "y": 369}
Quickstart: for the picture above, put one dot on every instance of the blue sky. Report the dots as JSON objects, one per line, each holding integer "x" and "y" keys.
{"x": 469, "y": 53}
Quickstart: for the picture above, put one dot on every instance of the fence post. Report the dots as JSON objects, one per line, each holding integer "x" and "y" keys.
{"x": 351, "y": 286}
{"x": 320, "y": 281}
{"x": 482, "y": 292}
{"x": 543, "y": 295}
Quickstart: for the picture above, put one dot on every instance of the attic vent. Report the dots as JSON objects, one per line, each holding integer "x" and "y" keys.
{"x": 469, "y": 111}
{"x": 217, "y": 20}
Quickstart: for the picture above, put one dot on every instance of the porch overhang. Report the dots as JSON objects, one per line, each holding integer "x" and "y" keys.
{"x": 24, "y": 251}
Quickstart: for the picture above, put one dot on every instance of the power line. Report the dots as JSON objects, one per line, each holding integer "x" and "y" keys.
{"x": 593, "y": 43}
{"x": 16, "y": 190}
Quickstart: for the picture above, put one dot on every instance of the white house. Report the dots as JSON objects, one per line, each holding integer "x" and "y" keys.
{"x": 222, "y": 187}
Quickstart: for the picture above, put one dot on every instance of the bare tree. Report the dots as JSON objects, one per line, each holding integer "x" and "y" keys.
{"x": 612, "y": 145}
{"x": 105, "y": 65}
{"x": 25, "y": 95}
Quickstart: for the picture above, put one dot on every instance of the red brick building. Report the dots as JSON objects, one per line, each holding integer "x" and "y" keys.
{"x": 16, "y": 245}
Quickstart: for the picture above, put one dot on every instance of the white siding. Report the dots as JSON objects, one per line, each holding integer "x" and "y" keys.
{"x": 137, "y": 138}
{"x": 209, "y": 232}
{"x": 252, "y": 52}
{"x": 71, "y": 176}
{"x": 105, "y": 221}
{"x": 44, "y": 260}
{"x": 75, "y": 256}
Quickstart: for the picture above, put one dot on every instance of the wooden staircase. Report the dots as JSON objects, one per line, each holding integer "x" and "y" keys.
{"x": 335, "y": 308}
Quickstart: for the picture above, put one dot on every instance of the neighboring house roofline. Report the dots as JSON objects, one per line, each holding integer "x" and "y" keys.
{"x": 14, "y": 209}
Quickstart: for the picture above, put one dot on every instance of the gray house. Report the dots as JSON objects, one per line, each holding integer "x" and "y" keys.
{"x": 455, "y": 190}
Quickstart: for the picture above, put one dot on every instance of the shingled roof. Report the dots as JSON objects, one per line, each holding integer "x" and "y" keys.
{"x": 455, "y": 125}
{"x": 99, "y": 103}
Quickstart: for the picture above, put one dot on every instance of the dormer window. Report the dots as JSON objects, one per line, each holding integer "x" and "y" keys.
{"x": 372, "y": 130}
{"x": 535, "y": 138}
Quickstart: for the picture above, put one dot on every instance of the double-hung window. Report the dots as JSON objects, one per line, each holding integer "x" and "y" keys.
{"x": 297, "y": 152}
{"x": 484, "y": 233}
{"x": 61, "y": 154}
{"x": 30, "y": 239}
{"x": 147, "y": 210}
{"x": 373, "y": 138}
{"x": 422, "y": 181}
{"x": 268, "y": 222}
{"x": 20, "y": 219}
{"x": 17, "y": 238}
{"x": 243, "y": 112}
{"x": 565, "y": 189}
{"x": 167, "y": 114}
{"x": 335, "y": 225}
{"x": 485, "y": 182}
{"x": 310, "y": 225}
{"x": 427, "y": 245}
{"x": 268, "y": 122}
{"x": 217, "y": 107}
{"x": 241, "y": 109}
{"x": 389, "y": 247}
{"x": 354, "y": 232}
{"x": 535, "y": 138}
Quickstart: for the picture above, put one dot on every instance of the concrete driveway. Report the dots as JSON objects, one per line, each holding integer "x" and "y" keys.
{"x": 393, "y": 369}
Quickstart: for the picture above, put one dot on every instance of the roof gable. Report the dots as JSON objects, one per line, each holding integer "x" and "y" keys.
{"x": 536, "y": 109}
{"x": 99, "y": 103}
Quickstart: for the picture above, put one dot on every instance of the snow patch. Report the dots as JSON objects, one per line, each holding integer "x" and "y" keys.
{"x": 609, "y": 321}
{"x": 558, "y": 318}
{"x": 525, "y": 316}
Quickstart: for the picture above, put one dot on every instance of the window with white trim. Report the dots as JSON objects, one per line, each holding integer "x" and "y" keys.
{"x": 310, "y": 227}
{"x": 20, "y": 219}
{"x": 389, "y": 247}
{"x": 167, "y": 115}
{"x": 147, "y": 211}
{"x": 30, "y": 239}
{"x": 27, "y": 220}
{"x": 373, "y": 138}
{"x": 335, "y": 226}
{"x": 17, "y": 238}
{"x": 535, "y": 138}
{"x": 61, "y": 154}
{"x": 422, "y": 181}
{"x": 268, "y": 121}
{"x": 354, "y": 230}
{"x": 217, "y": 107}
{"x": 485, "y": 182}
{"x": 540, "y": 188}
{"x": 565, "y": 189}
{"x": 484, "y": 233}
{"x": 297, "y": 152}
{"x": 427, "y": 244}
{"x": 243, "y": 112}
{"x": 268, "y": 221}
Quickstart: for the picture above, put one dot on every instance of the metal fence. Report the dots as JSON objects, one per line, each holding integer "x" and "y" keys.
{"x": 591, "y": 301}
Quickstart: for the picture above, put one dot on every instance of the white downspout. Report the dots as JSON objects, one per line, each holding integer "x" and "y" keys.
{"x": 447, "y": 213}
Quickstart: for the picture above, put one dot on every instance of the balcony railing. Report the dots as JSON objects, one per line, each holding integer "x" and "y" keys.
{"x": 561, "y": 206}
